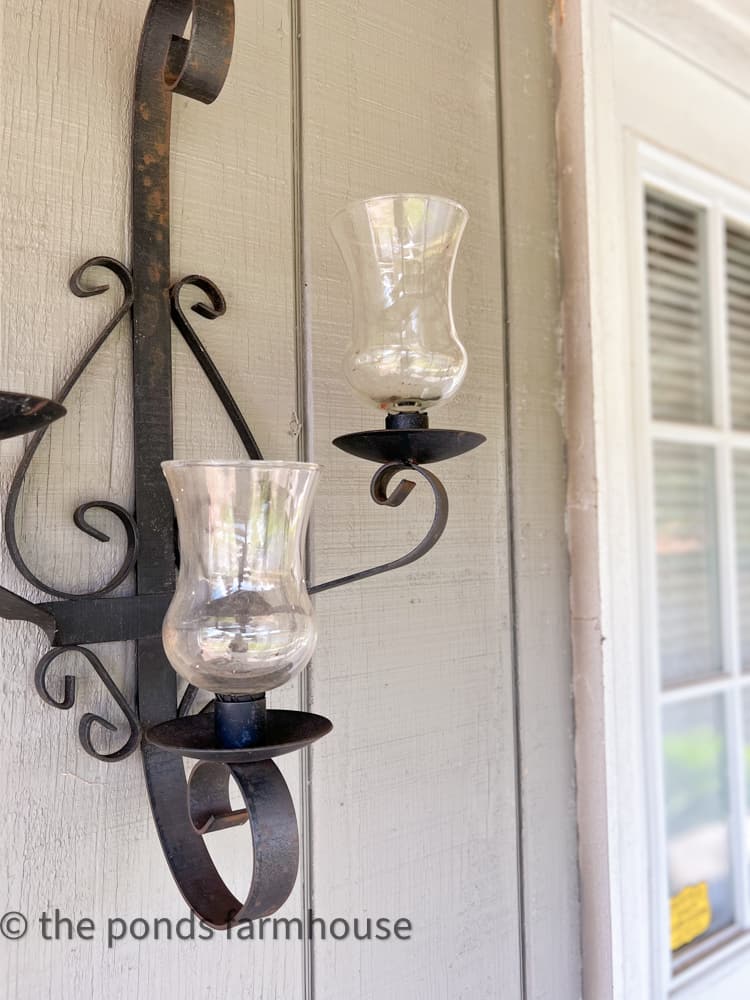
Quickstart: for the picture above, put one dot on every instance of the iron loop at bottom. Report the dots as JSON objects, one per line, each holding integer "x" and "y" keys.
{"x": 185, "y": 814}
{"x": 273, "y": 827}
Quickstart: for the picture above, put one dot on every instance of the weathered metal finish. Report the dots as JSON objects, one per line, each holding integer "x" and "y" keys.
{"x": 231, "y": 737}
{"x": 273, "y": 828}
{"x": 406, "y": 421}
{"x": 105, "y": 619}
{"x": 13, "y": 607}
{"x": 209, "y": 803}
{"x": 196, "y": 68}
{"x": 239, "y": 721}
{"x": 22, "y": 414}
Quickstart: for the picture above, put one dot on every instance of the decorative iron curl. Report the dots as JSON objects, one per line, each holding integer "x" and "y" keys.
{"x": 379, "y": 493}
{"x": 89, "y": 720}
{"x": 83, "y": 291}
{"x": 197, "y": 66}
{"x": 216, "y": 307}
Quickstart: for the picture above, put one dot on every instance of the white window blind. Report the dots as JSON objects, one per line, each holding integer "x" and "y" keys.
{"x": 738, "y": 320}
{"x": 677, "y": 313}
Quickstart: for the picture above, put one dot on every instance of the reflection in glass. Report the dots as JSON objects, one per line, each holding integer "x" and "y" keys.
{"x": 689, "y": 634}
{"x": 697, "y": 809}
{"x": 400, "y": 251}
{"x": 241, "y": 620}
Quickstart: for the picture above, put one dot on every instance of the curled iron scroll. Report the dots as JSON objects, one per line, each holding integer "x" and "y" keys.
{"x": 215, "y": 307}
{"x": 89, "y": 720}
{"x": 379, "y": 493}
{"x": 197, "y": 66}
{"x": 79, "y": 288}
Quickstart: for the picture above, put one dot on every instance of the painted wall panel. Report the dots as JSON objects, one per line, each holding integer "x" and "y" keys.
{"x": 414, "y": 810}
{"x": 411, "y": 801}
{"x": 77, "y": 834}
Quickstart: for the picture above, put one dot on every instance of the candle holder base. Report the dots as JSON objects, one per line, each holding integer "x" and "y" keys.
{"x": 417, "y": 446}
{"x": 195, "y": 736}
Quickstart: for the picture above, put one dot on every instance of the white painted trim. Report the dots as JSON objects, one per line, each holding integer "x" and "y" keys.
{"x": 699, "y": 688}
{"x": 724, "y": 947}
{"x": 712, "y": 34}
{"x": 688, "y": 434}
{"x": 616, "y": 912}
{"x": 624, "y": 901}
{"x": 655, "y": 168}
{"x": 646, "y": 166}
{"x": 646, "y": 610}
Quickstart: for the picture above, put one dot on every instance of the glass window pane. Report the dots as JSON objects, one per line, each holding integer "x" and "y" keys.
{"x": 738, "y": 320}
{"x": 689, "y": 633}
{"x": 697, "y": 814}
{"x": 677, "y": 311}
{"x": 742, "y": 527}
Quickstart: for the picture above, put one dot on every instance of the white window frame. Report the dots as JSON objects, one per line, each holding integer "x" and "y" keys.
{"x": 625, "y": 88}
{"x": 722, "y": 202}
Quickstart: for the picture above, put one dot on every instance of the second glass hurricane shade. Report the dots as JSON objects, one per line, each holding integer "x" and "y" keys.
{"x": 400, "y": 251}
{"x": 241, "y": 620}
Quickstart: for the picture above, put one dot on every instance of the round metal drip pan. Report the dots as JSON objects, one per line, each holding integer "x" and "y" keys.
{"x": 194, "y": 736}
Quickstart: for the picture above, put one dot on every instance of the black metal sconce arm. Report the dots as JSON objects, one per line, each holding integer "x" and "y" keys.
{"x": 379, "y": 493}
{"x": 186, "y": 810}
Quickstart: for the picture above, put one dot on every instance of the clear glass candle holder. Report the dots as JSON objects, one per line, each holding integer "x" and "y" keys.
{"x": 400, "y": 251}
{"x": 241, "y": 620}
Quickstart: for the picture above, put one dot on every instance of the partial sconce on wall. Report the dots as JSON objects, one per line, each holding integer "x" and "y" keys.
{"x": 237, "y": 620}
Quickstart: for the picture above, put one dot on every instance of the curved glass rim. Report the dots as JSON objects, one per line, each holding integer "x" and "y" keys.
{"x": 239, "y": 463}
{"x": 393, "y": 197}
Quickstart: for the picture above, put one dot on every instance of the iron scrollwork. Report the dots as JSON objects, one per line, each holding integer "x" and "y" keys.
{"x": 194, "y": 67}
{"x": 79, "y": 288}
{"x": 89, "y": 720}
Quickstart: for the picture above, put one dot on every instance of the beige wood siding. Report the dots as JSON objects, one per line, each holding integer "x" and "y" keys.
{"x": 410, "y": 807}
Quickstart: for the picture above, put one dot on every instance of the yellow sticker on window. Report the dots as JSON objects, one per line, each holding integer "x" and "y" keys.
{"x": 690, "y": 914}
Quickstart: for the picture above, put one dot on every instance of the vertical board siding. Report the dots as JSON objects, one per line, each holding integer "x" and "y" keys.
{"x": 536, "y": 405}
{"x": 414, "y": 791}
{"x": 412, "y": 802}
{"x": 77, "y": 833}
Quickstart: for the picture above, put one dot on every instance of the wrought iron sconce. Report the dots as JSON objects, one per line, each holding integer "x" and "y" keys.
{"x": 240, "y": 620}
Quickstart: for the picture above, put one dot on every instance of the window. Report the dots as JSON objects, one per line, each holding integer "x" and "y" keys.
{"x": 697, "y": 260}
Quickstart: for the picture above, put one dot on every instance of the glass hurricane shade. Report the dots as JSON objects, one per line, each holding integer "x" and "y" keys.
{"x": 240, "y": 621}
{"x": 400, "y": 251}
